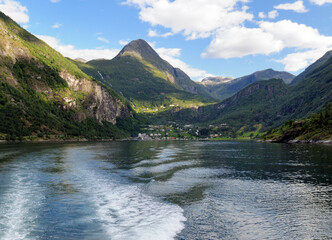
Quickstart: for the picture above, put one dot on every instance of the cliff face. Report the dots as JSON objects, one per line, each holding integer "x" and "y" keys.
{"x": 99, "y": 103}
{"x": 43, "y": 92}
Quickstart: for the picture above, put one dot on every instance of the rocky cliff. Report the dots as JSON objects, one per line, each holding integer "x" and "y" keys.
{"x": 43, "y": 93}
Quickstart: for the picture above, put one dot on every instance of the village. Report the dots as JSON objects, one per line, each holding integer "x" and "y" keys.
{"x": 174, "y": 131}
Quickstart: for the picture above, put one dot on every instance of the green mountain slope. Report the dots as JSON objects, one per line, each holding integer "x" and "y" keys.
{"x": 226, "y": 89}
{"x": 311, "y": 94}
{"x": 309, "y": 69}
{"x": 267, "y": 104}
{"x": 150, "y": 83}
{"x": 274, "y": 103}
{"x": 316, "y": 127}
{"x": 256, "y": 104}
{"x": 44, "y": 95}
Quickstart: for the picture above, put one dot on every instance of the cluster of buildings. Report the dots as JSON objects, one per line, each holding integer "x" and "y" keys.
{"x": 179, "y": 132}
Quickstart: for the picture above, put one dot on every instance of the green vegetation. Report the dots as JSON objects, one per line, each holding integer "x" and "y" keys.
{"x": 149, "y": 83}
{"x": 38, "y": 49}
{"x": 175, "y": 131}
{"x": 36, "y": 103}
{"x": 267, "y": 103}
{"x": 317, "y": 127}
{"x": 26, "y": 115}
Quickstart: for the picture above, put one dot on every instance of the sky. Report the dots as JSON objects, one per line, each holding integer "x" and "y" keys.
{"x": 229, "y": 38}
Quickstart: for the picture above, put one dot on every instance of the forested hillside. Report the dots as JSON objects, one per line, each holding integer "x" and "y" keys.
{"x": 45, "y": 96}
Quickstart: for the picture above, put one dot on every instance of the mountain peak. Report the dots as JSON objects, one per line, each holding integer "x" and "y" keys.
{"x": 142, "y": 48}
{"x": 212, "y": 81}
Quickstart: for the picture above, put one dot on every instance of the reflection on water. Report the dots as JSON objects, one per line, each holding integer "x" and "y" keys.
{"x": 165, "y": 190}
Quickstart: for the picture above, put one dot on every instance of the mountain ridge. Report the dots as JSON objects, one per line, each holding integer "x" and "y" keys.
{"x": 265, "y": 104}
{"x": 145, "y": 79}
{"x": 226, "y": 89}
{"x": 310, "y": 68}
{"x": 44, "y": 94}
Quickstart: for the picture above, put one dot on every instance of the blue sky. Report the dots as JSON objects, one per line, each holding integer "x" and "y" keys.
{"x": 228, "y": 38}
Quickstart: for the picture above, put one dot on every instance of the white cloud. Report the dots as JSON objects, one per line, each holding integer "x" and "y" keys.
{"x": 192, "y": 72}
{"x": 57, "y": 25}
{"x": 15, "y": 10}
{"x": 261, "y": 15}
{"x": 123, "y": 42}
{"x": 55, "y": 1}
{"x": 154, "y": 33}
{"x": 309, "y": 43}
{"x": 271, "y": 37}
{"x": 242, "y": 41}
{"x": 273, "y": 14}
{"x": 320, "y": 2}
{"x": 296, "y": 6}
{"x": 299, "y": 60}
{"x": 296, "y": 35}
{"x": 195, "y": 19}
{"x": 171, "y": 55}
{"x": 71, "y": 52}
{"x": 103, "y": 39}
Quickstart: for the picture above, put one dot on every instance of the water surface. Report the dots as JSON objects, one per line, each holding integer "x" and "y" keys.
{"x": 165, "y": 190}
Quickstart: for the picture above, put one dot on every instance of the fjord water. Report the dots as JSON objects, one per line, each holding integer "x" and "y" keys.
{"x": 165, "y": 190}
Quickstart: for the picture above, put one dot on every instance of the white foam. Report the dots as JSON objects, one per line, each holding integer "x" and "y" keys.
{"x": 18, "y": 206}
{"x": 182, "y": 181}
{"x": 162, "y": 167}
{"x": 153, "y": 161}
{"x": 123, "y": 210}
{"x": 166, "y": 155}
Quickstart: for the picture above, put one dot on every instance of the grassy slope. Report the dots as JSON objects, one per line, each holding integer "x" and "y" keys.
{"x": 148, "y": 88}
{"x": 309, "y": 95}
{"x": 316, "y": 127}
{"x": 30, "y": 90}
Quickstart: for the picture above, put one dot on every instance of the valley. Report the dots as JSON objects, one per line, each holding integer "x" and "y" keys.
{"x": 45, "y": 96}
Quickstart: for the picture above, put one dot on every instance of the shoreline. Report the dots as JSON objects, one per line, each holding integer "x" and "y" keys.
{"x": 116, "y": 140}
{"x": 327, "y": 142}
{"x": 81, "y": 140}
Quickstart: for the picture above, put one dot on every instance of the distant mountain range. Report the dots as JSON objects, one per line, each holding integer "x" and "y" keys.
{"x": 267, "y": 103}
{"x": 213, "y": 81}
{"x": 222, "y": 88}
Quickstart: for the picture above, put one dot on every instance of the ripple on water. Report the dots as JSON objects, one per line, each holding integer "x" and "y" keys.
{"x": 182, "y": 181}
{"x": 123, "y": 209}
{"x": 162, "y": 167}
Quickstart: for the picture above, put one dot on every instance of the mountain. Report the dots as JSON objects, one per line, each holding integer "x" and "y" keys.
{"x": 226, "y": 89}
{"x": 81, "y": 60}
{"x": 272, "y": 102}
{"x": 316, "y": 64}
{"x": 317, "y": 127}
{"x": 310, "y": 94}
{"x": 44, "y": 95}
{"x": 212, "y": 81}
{"x": 255, "y": 104}
{"x": 146, "y": 80}
{"x": 264, "y": 104}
